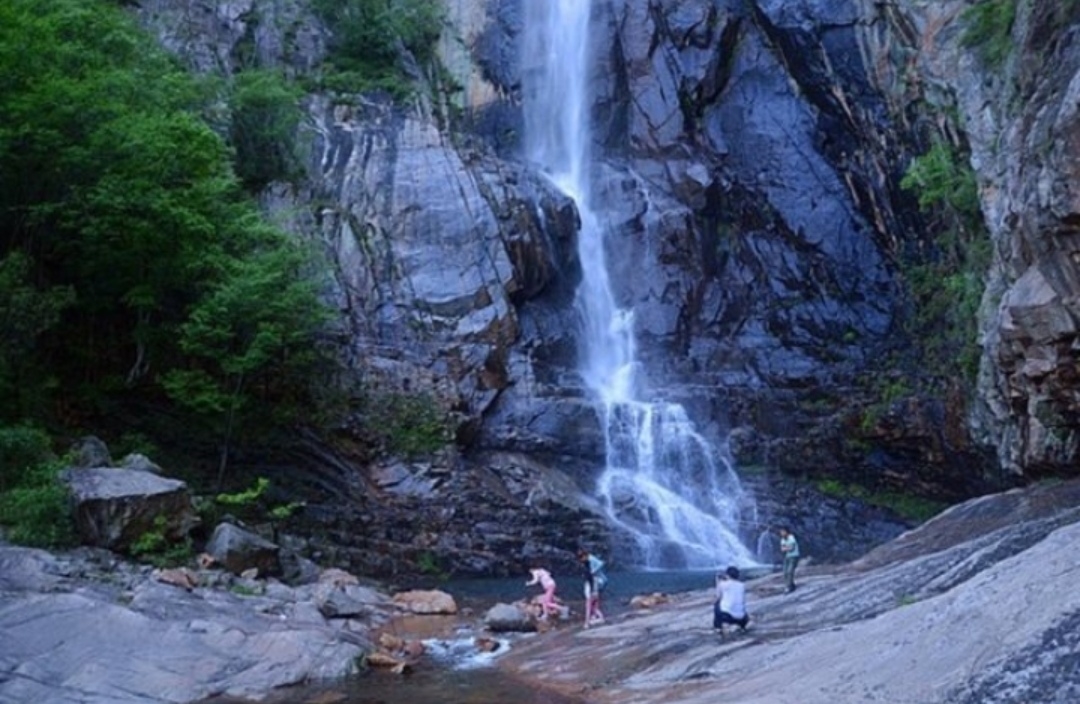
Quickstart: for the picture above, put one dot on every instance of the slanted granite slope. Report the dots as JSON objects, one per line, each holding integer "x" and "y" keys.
{"x": 977, "y": 605}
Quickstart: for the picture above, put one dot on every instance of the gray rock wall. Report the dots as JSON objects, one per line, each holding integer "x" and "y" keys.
{"x": 1021, "y": 122}
{"x": 1026, "y": 139}
{"x": 749, "y": 159}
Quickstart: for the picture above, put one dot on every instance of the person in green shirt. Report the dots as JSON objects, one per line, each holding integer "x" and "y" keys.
{"x": 789, "y": 548}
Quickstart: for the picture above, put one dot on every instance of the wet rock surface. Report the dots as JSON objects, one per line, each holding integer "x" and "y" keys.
{"x": 975, "y": 605}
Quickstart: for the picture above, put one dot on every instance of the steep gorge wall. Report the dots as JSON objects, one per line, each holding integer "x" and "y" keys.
{"x": 1025, "y": 130}
{"x": 1020, "y": 119}
{"x": 751, "y": 155}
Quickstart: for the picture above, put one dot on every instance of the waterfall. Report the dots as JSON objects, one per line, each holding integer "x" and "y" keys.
{"x": 663, "y": 483}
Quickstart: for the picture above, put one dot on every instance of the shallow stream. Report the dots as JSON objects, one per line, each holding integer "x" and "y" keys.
{"x": 452, "y": 671}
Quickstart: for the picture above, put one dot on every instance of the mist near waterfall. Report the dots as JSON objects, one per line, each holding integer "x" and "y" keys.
{"x": 663, "y": 483}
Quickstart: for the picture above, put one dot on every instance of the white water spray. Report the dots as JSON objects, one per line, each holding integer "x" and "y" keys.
{"x": 663, "y": 483}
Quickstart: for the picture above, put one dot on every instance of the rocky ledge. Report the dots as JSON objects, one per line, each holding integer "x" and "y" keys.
{"x": 977, "y": 606}
{"x": 88, "y": 628}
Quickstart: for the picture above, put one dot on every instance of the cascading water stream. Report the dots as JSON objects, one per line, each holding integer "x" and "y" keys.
{"x": 663, "y": 483}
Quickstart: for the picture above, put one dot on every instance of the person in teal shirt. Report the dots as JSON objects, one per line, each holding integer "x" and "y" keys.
{"x": 789, "y": 548}
{"x": 595, "y": 581}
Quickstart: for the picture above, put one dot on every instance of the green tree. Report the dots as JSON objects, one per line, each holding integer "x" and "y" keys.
{"x": 25, "y": 314}
{"x": 108, "y": 180}
{"x": 369, "y": 37}
{"x": 249, "y": 344}
{"x": 151, "y": 264}
{"x": 34, "y": 506}
{"x": 265, "y": 119}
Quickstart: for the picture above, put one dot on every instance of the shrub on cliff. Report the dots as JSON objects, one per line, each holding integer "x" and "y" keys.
{"x": 947, "y": 284}
{"x": 988, "y": 30}
{"x": 265, "y": 117}
{"x": 369, "y": 36}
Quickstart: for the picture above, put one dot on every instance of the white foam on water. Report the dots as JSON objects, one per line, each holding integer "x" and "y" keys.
{"x": 663, "y": 483}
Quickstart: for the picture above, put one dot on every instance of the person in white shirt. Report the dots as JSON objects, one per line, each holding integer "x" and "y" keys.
{"x": 730, "y": 604}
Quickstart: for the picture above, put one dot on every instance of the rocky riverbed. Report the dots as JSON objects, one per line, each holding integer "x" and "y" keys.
{"x": 88, "y": 628}
{"x": 977, "y": 606}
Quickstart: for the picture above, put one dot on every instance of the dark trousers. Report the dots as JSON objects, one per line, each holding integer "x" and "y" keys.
{"x": 790, "y": 563}
{"x": 719, "y": 618}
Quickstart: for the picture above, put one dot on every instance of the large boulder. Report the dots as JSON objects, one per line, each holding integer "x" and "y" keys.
{"x": 239, "y": 550}
{"x": 426, "y": 601}
{"x": 91, "y": 451}
{"x": 338, "y": 598}
{"x": 114, "y": 507}
{"x": 503, "y": 618}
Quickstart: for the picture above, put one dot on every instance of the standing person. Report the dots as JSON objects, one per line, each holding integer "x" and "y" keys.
{"x": 547, "y": 583}
{"x": 789, "y": 548}
{"x": 730, "y": 604}
{"x": 595, "y": 580}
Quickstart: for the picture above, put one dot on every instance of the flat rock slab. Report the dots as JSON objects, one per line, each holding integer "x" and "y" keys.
{"x": 987, "y": 614}
{"x": 82, "y": 643}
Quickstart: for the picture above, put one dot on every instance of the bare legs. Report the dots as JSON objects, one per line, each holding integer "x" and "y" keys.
{"x": 593, "y": 614}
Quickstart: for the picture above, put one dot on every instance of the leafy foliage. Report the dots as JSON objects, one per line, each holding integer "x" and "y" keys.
{"x": 265, "y": 118}
{"x": 241, "y": 589}
{"x": 26, "y": 312}
{"x": 38, "y": 512}
{"x": 252, "y": 501}
{"x": 408, "y": 425}
{"x": 33, "y": 503}
{"x": 369, "y": 37}
{"x": 913, "y": 508}
{"x": 947, "y": 284}
{"x": 23, "y": 448}
{"x": 155, "y": 547}
{"x": 938, "y": 179}
{"x": 151, "y": 270}
{"x": 989, "y": 30}
{"x": 428, "y": 564}
{"x": 247, "y": 497}
{"x": 249, "y": 344}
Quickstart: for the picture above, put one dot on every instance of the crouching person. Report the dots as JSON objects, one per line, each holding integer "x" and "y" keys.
{"x": 730, "y": 604}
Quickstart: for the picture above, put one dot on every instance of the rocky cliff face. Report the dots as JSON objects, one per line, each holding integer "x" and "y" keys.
{"x": 1026, "y": 135}
{"x": 749, "y": 169}
{"x": 753, "y": 160}
{"x": 1018, "y": 114}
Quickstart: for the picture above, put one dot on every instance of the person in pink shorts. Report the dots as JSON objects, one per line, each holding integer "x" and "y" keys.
{"x": 548, "y": 605}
